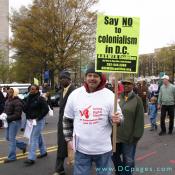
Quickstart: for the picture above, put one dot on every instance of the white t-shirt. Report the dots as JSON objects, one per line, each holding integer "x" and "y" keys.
{"x": 92, "y": 119}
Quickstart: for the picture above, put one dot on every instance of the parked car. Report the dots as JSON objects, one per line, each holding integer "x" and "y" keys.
{"x": 55, "y": 99}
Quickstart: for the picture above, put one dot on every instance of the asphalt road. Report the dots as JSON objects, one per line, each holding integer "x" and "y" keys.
{"x": 155, "y": 154}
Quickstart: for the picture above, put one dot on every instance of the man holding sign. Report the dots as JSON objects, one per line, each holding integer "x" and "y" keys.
{"x": 87, "y": 124}
{"x": 117, "y": 42}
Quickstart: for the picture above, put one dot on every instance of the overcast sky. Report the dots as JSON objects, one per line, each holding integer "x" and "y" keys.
{"x": 157, "y": 19}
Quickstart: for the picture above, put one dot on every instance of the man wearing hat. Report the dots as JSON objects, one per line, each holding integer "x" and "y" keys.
{"x": 67, "y": 88}
{"x": 87, "y": 124}
{"x": 166, "y": 101}
{"x": 131, "y": 130}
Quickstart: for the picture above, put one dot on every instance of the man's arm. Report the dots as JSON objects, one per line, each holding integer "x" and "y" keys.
{"x": 67, "y": 128}
{"x": 68, "y": 119}
{"x": 159, "y": 98}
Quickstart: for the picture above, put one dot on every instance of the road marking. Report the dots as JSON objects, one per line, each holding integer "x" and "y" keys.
{"x": 146, "y": 156}
{"x": 149, "y": 125}
{"x": 54, "y": 148}
{"x": 158, "y": 123}
{"x": 54, "y": 131}
{"x": 22, "y": 156}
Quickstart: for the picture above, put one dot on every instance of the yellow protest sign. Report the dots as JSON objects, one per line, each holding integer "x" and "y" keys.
{"x": 117, "y": 42}
{"x": 36, "y": 81}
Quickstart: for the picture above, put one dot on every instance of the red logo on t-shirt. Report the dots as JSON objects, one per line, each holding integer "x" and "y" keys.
{"x": 85, "y": 112}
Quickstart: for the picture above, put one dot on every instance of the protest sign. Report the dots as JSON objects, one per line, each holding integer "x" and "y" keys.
{"x": 117, "y": 41}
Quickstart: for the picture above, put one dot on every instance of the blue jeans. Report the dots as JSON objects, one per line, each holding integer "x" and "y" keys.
{"x": 11, "y": 133}
{"x": 153, "y": 122}
{"x": 83, "y": 163}
{"x": 24, "y": 120}
{"x": 36, "y": 140}
{"x": 127, "y": 152}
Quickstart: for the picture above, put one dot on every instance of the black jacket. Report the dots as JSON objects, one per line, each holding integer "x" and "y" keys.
{"x": 35, "y": 107}
{"x": 62, "y": 151}
{"x": 2, "y": 102}
{"x": 13, "y": 109}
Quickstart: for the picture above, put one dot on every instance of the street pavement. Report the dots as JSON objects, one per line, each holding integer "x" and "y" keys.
{"x": 155, "y": 154}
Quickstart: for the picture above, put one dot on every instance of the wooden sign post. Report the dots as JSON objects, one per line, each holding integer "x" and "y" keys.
{"x": 114, "y": 128}
{"x": 70, "y": 159}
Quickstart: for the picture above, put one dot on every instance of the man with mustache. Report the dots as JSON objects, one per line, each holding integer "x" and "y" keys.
{"x": 87, "y": 124}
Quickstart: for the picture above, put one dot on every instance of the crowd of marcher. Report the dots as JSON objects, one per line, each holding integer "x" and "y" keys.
{"x": 35, "y": 108}
{"x": 86, "y": 116}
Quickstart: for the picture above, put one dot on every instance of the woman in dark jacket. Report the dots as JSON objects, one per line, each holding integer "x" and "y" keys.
{"x": 36, "y": 109}
{"x": 13, "y": 110}
{"x": 2, "y": 102}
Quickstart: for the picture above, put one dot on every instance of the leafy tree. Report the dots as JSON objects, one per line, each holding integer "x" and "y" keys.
{"x": 51, "y": 34}
{"x": 166, "y": 57}
{"x": 4, "y": 68}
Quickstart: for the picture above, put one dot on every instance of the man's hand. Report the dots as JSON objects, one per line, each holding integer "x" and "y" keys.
{"x": 158, "y": 106}
{"x": 70, "y": 151}
{"x": 70, "y": 145}
{"x": 116, "y": 118}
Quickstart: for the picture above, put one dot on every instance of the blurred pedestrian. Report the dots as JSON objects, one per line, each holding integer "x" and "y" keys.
{"x": 152, "y": 113}
{"x": 45, "y": 92}
{"x": 119, "y": 89}
{"x": 67, "y": 88}
{"x": 109, "y": 86}
{"x": 13, "y": 110}
{"x": 153, "y": 88}
{"x": 166, "y": 101}
{"x": 143, "y": 93}
{"x": 5, "y": 91}
{"x": 36, "y": 109}
{"x": 2, "y": 103}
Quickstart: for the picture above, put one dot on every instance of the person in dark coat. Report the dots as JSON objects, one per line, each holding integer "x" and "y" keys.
{"x": 66, "y": 90}
{"x": 13, "y": 110}
{"x": 36, "y": 108}
{"x": 2, "y": 103}
{"x": 143, "y": 94}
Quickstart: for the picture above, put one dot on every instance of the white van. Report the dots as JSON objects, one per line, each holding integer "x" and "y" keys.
{"x": 15, "y": 85}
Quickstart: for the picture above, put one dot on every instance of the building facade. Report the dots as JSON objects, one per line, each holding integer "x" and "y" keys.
{"x": 4, "y": 28}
